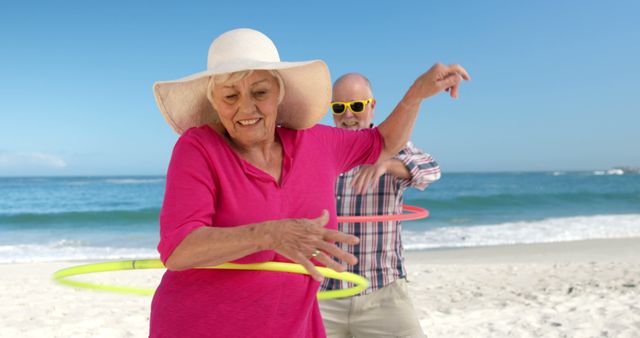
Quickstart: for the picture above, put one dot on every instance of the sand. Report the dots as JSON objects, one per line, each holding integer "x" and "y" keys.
{"x": 572, "y": 289}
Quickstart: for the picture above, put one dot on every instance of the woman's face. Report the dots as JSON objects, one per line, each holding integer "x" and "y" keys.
{"x": 248, "y": 108}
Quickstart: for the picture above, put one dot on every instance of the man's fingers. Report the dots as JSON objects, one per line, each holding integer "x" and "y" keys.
{"x": 372, "y": 182}
{"x": 355, "y": 186}
{"x": 356, "y": 181}
{"x": 375, "y": 183}
{"x": 360, "y": 182}
{"x": 372, "y": 179}
{"x": 364, "y": 185}
{"x": 376, "y": 178}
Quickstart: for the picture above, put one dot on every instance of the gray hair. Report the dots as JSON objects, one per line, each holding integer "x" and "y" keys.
{"x": 235, "y": 77}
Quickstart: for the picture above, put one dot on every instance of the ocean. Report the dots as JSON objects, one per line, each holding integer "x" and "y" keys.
{"x": 100, "y": 218}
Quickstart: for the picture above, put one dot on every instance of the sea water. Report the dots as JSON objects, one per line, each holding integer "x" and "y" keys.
{"x": 78, "y": 218}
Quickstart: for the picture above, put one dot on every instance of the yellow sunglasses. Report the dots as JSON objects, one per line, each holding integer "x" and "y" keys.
{"x": 356, "y": 106}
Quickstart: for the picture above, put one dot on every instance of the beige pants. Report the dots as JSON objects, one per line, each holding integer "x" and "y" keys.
{"x": 386, "y": 312}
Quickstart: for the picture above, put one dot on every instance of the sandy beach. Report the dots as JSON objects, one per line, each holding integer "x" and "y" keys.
{"x": 572, "y": 289}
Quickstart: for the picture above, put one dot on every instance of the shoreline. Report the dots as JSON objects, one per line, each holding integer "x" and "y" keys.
{"x": 585, "y": 288}
{"x": 517, "y": 252}
{"x": 581, "y": 250}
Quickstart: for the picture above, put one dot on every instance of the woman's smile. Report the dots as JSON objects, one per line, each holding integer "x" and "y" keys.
{"x": 249, "y": 122}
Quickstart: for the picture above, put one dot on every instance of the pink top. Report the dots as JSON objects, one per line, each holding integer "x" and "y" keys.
{"x": 208, "y": 184}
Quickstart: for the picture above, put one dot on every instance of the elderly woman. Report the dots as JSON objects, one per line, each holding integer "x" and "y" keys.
{"x": 251, "y": 180}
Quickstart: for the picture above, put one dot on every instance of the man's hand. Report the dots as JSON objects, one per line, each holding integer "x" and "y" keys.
{"x": 368, "y": 177}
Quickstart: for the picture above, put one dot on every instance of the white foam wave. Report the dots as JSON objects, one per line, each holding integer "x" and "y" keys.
{"x": 543, "y": 231}
{"x": 68, "y": 251}
{"x": 614, "y": 171}
{"x": 68, "y": 243}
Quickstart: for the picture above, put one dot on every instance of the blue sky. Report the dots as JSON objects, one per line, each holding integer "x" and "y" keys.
{"x": 554, "y": 82}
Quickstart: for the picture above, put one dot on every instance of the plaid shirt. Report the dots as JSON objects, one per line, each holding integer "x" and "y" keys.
{"x": 380, "y": 252}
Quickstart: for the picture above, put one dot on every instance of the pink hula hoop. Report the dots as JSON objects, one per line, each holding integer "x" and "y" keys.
{"x": 414, "y": 213}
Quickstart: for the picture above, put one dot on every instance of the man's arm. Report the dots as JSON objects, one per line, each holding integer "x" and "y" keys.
{"x": 396, "y": 168}
{"x": 413, "y": 166}
{"x": 369, "y": 175}
{"x": 423, "y": 168}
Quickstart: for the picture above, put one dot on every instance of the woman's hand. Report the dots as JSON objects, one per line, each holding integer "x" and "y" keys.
{"x": 438, "y": 78}
{"x": 397, "y": 127}
{"x": 302, "y": 239}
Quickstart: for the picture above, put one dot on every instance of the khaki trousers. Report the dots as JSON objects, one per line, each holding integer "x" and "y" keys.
{"x": 386, "y": 312}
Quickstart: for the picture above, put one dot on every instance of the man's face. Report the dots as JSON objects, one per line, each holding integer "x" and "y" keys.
{"x": 351, "y": 88}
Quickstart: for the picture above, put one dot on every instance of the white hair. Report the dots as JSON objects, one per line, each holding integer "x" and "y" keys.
{"x": 235, "y": 77}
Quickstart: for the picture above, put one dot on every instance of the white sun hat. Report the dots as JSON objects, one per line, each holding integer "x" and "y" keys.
{"x": 307, "y": 94}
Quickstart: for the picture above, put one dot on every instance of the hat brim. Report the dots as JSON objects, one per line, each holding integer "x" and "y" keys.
{"x": 184, "y": 102}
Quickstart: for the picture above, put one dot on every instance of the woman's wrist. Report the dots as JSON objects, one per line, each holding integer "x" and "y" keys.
{"x": 262, "y": 235}
{"x": 412, "y": 98}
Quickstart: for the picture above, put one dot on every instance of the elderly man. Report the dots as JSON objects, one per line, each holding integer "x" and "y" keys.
{"x": 384, "y": 309}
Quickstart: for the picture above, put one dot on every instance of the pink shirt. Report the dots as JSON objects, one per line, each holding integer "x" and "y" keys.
{"x": 208, "y": 184}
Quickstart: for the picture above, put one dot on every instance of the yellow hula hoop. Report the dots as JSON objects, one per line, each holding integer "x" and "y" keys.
{"x": 60, "y": 276}
{"x": 360, "y": 283}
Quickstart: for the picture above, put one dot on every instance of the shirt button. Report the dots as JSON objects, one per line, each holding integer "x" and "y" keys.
{"x": 338, "y": 197}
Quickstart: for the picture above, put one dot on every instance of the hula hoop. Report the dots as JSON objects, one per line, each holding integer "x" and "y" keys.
{"x": 414, "y": 214}
{"x": 361, "y": 283}
{"x": 60, "y": 276}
